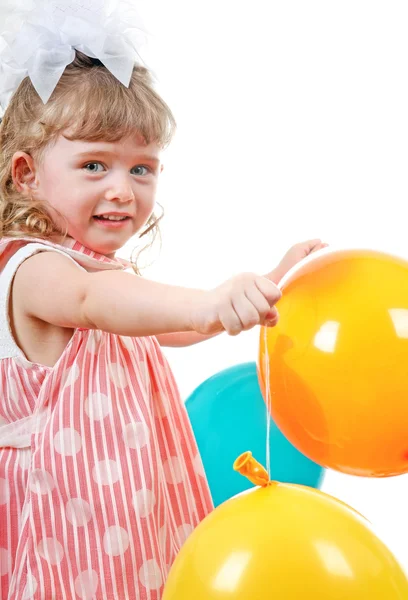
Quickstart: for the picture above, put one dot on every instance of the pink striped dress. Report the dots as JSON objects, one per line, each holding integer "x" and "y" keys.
{"x": 100, "y": 478}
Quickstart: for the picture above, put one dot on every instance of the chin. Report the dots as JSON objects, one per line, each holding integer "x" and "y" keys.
{"x": 106, "y": 247}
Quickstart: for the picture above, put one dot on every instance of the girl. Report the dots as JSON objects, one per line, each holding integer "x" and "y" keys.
{"x": 100, "y": 479}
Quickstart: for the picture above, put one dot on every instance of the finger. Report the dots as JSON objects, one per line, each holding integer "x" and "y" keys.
{"x": 272, "y": 322}
{"x": 320, "y": 246}
{"x": 316, "y": 248}
{"x": 310, "y": 243}
{"x": 259, "y": 301}
{"x": 272, "y": 314}
{"x": 268, "y": 289}
{"x": 315, "y": 245}
{"x": 246, "y": 311}
{"x": 230, "y": 320}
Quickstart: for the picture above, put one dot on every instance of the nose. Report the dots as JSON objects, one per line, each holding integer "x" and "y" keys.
{"x": 120, "y": 189}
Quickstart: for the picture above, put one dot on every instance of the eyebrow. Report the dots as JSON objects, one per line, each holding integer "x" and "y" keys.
{"x": 142, "y": 157}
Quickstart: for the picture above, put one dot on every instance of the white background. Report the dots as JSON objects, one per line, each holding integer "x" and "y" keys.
{"x": 292, "y": 123}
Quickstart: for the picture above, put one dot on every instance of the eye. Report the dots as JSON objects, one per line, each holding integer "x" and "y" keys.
{"x": 140, "y": 170}
{"x": 92, "y": 167}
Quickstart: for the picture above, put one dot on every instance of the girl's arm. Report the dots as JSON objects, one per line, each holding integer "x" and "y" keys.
{"x": 52, "y": 288}
{"x": 183, "y": 338}
{"x": 293, "y": 256}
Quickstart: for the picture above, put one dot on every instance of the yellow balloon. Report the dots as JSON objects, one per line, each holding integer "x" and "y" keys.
{"x": 285, "y": 542}
{"x": 336, "y": 363}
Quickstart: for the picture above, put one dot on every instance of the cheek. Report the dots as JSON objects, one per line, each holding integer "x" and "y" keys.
{"x": 51, "y": 187}
{"x": 148, "y": 202}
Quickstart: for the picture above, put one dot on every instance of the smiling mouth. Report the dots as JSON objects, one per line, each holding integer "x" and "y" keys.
{"x": 112, "y": 218}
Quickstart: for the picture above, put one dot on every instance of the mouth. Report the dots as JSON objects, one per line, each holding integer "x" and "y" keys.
{"x": 111, "y": 221}
{"x": 113, "y": 218}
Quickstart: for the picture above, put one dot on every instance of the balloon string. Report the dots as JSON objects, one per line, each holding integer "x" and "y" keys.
{"x": 268, "y": 402}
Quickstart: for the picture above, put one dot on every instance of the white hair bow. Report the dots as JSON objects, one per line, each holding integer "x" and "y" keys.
{"x": 40, "y": 41}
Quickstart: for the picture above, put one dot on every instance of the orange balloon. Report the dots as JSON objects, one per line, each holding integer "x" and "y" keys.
{"x": 336, "y": 365}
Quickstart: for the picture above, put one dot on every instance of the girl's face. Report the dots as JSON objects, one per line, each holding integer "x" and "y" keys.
{"x": 105, "y": 190}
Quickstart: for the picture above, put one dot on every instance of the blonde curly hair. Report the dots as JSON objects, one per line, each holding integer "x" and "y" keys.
{"x": 93, "y": 105}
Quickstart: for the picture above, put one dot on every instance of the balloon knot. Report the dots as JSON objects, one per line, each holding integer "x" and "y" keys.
{"x": 247, "y": 465}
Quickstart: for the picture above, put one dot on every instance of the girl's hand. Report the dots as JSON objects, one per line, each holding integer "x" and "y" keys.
{"x": 237, "y": 305}
{"x": 294, "y": 255}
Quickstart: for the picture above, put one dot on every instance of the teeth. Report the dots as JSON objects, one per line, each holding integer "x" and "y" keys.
{"x": 112, "y": 217}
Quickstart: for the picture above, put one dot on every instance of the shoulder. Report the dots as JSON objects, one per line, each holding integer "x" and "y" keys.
{"x": 15, "y": 251}
{"x": 45, "y": 269}
{"x": 49, "y": 286}
{"x": 47, "y": 263}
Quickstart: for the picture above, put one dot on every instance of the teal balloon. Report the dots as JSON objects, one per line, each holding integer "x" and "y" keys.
{"x": 228, "y": 416}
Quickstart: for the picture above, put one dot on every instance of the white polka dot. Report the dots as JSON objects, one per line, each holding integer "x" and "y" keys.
{"x": 150, "y": 575}
{"x": 67, "y": 441}
{"x": 4, "y": 491}
{"x": 140, "y": 346}
{"x": 30, "y": 587}
{"x": 106, "y": 472}
{"x": 143, "y": 503}
{"x": 115, "y": 540}
{"x": 70, "y": 376}
{"x": 86, "y": 585}
{"x": 92, "y": 345}
{"x": 173, "y": 470}
{"x": 5, "y": 562}
{"x": 118, "y": 376}
{"x": 183, "y": 532}
{"x": 98, "y": 406}
{"x": 26, "y": 511}
{"x": 136, "y": 435}
{"x": 127, "y": 342}
{"x": 78, "y": 512}
{"x": 24, "y": 458}
{"x": 41, "y": 482}
{"x": 160, "y": 405}
{"x": 160, "y": 357}
{"x": 51, "y": 550}
{"x": 13, "y": 391}
{"x": 198, "y": 466}
{"x": 163, "y": 538}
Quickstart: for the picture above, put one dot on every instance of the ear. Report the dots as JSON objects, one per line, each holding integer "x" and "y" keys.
{"x": 23, "y": 173}
{"x": 161, "y": 168}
